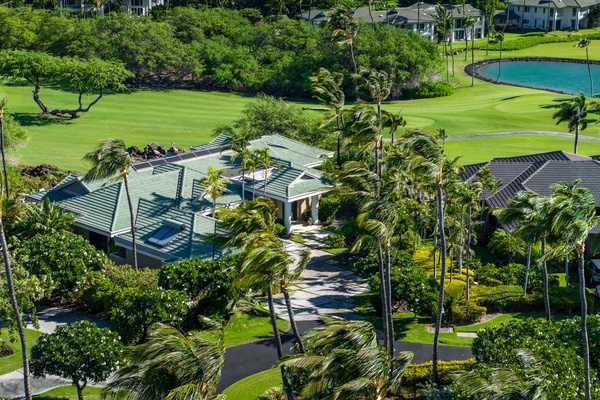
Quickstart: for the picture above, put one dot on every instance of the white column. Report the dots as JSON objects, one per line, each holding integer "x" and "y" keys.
{"x": 287, "y": 217}
{"x": 315, "y": 209}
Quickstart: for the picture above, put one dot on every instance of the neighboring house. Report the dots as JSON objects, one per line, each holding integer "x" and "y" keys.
{"x": 536, "y": 173}
{"x": 553, "y": 14}
{"x": 419, "y": 18}
{"x": 313, "y": 16}
{"x": 173, "y": 212}
{"x": 137, "y": 7}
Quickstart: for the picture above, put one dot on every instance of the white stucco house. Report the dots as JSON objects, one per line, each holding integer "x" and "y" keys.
{"x": 551, "y": 15}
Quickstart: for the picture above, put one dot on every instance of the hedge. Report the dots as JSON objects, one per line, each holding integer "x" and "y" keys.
{"x": 420, "y": 374}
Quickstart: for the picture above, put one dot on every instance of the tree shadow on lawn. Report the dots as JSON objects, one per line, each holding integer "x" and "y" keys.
{"x": 26, "y": 119}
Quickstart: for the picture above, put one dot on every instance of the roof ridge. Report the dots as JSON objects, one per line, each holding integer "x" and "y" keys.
{"x": 116, "y": 208}
{"x": 537, "y": 171}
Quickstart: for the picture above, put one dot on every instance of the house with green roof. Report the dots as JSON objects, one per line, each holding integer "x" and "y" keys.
{"x": 173, "y": 210}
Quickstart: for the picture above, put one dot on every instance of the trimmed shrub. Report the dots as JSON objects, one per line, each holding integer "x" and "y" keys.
{"x": 493, "y": 275}
{"x": 420, "y": 374}
{"x": 530, "y": 41}
{"x": 328, "y": 207}
{"x": 336, "y": 240}
{"x": 431, "y": 90}
{"x": 467, "y": 311}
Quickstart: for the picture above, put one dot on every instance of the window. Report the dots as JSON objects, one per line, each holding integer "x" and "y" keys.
{"x": 535, "y": 10}
{"x": 526, "y": 9}
{"x": 518, "y": 8}
{"x": 544, "y": 10}
{"x": 525, "y": 22}
{"x": 421, "y": 26}
{"x": 574, "y": 12}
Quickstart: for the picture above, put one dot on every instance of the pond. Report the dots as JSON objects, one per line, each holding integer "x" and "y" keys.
{"x": 567, "y": 77}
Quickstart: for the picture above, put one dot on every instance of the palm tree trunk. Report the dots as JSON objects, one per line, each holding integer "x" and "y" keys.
{"x": 545, "y": 280}
{"x": 6, "y": 188}
{"x": 576, "y": 138}
{"x": 567, "y": 272}
{"x": 527, "y": 270}
{"x": 473, "y": 56}
{"x": 435, "y": 230}
{"x": 384, "y": 300}
{"x": 132, "y": 216}
{"x": 447, "y": 66}
{"x": 243, "y": 187}
{"x": 288, "y": 305}
{"x": 461, "y": 241}
{"x": 584, "y": 334}
{"x": 440, "y": 305}
{"x": 587, "y": 56}
{"x": 277, "y": 337}
{"x": 451, "y": 51}
{"x": 16, "y": 310}
{"x": 388, "y": 289}
{"x": 499, "y": 63}
{"x": 468, "y": 255}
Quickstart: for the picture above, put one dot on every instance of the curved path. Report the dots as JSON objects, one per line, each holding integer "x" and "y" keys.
{"x": 515, "y": 133}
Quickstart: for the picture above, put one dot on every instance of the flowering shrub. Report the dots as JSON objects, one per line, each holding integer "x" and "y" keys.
{"x": 81, "y": 352}
{"x": 65, "y": 257}
{"x": 142, "y": 308}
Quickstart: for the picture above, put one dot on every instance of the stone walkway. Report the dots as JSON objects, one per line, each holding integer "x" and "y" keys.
{"x": 324, "y": 289}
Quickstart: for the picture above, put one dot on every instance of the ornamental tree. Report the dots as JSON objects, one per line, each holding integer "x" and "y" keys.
{"x": 81, "y": 352}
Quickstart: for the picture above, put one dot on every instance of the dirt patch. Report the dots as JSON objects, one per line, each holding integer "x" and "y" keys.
{"x": 444, "y": 329}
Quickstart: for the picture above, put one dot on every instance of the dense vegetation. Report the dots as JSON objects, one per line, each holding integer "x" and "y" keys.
{"x": 219, "y": 49}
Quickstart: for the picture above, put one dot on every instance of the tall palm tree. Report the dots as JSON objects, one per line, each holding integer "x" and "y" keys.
{"x": 393, "y": 122}
{"x": 427, "y": 157}
{"x": 344, "y": 29}
{"x": 263, "y": 158}
{"x": 531, "y": 213}
{"x": 170, "y": 365}
{"x": 442, "y": 31}
{"x": 584, "y": 42}
{"x": 467, "y": 22}
{"x": 15, "y": 306}
{"x": 473, "y": 52}
{"x": 214, "y": 186}
{"x": 574, "y": 214}
{"x": 573, "y": 113}
{"x": 237, "y": 142}
{"x": 2, "y": 146}
{"x": 472, "y": 199}
{"x": 326, "y": 87}
{"x": 499, "y": 37}
{"x": 344, "y": 361}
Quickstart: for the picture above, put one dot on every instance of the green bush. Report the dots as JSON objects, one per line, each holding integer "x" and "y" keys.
{"x": 142, "y": 308}
{"x": 328, "y": 207}
{"x": 65, "y": 257}
{"x": 431, "y": 90}
{"x": 336, "y": 240}
{"x": 527, "y": 42}
{"x": 493, "y": 275}
{"x": 420, "y": 374}
{"x": 467, "y": 311}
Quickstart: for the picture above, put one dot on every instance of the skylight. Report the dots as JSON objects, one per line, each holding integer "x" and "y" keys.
{"x": 167, "y": 232}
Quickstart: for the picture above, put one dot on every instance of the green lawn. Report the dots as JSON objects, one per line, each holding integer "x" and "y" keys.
{"x": 70, "y": 393}
{"x": 188, "y": 117}
{"x": 15, "y": 361}
{"x": 254, "y": 385}
{"x": 244, "y": 327}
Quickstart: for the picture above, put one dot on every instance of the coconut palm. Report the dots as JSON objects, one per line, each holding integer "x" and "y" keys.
{"x": 506, "y": 243}
{"x": 574, "y": 214}
{"x": 262, "y": 157}
{"x": 529, "y": 383}
{"x": 170, "y": 365}
{"x": 573, "y": 113}
{"x": 2, "y": 146}
{"x": 237, "y": 142}
{"x": 393, "y": 122}
{"x": 467, "y": 22}
{"x": 111, "y": 160}
{"x": 344, "y": 29}
{"x": 15, "y": 306}
{"x": 499, "y": 37}
{"x": 530, "y": 212}
{"x": 428, "y": 158}
{"x": 442, "y": 30}
{"x": 344, "y": 361}
{"x": 214, "y": 186}
{"x": 584, "y": 42}
{"x": 472, "y": 199}
{"x": 326, "y": 87}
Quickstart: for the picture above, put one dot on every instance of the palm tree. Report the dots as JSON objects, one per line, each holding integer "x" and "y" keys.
{"x": 471, "y": 199}
{"x": 573, "y": 113}
{"x": 473, "y": 52}
{"x": 574, "y": 215}
{"x": 344, "y": 361}
{"x": 238, "y": 143}
{"x": 392, "y": 121}
{"x": 214, "y": 186}
{"x": 326, "y": 87}
{"x": 499, "y": 37}
{"x": 503, "y": 242}
{"x": 344, "y": 29}
{"x": 2, "y": 146}
{"x": 15, "y": 306}
{"x": 584, "y": 42}
{"x": 428, "y": 158}
{"x": 170, "y": 365}
{"x": 442, "y": 30}
{"x": 531, "y": 213}
{"x": 111, "y": 161}
{"x": 263, "y": 157}
{"x": 529, "y": 383}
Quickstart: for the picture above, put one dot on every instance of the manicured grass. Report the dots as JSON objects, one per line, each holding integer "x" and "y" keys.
{"x": 254, "y": 385}
{"x": 70, "y": 393}
{"x": 335, "y": 250}
{"x": 189, "y": 117}
{"x": 296, "y": 238}
{"x": 15, "y": 361}
{"x": 244, "y": 327}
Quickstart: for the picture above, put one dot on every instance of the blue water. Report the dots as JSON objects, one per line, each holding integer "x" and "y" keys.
{"x": 566, "y": 77}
